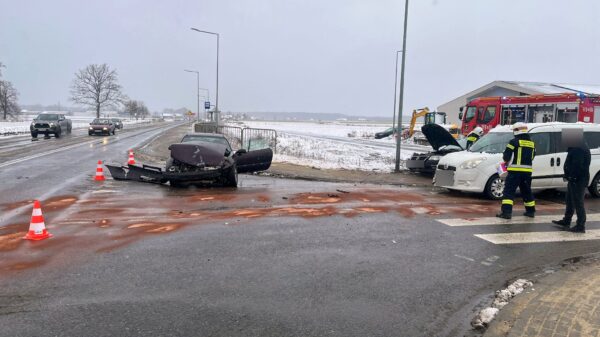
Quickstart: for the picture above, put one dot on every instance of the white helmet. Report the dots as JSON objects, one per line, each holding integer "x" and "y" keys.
{"x": 519, "y": 128}
{"x": 478, "y": 130}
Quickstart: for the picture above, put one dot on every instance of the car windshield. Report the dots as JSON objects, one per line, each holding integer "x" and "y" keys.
{"x": 48, "y": 117}
{"x": 101, "y": 121}
{"x": 493, "y": 142}
{"x": 205, "y": 139}
{"x": 115, "y": 120}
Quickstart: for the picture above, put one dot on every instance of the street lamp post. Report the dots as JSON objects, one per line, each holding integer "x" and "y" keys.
{"x": 217, "y": 85}
{"x": 207, "y": 99}
{"x": 395, "y": 90}
{"x": 197, "y": 91}
{"x": 401, "y": 94}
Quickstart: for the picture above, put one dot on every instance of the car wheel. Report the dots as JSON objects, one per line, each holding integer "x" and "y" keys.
{"x": 57, "y": 133}
{"x": 34, "y": 135}
{"x": 494, "y": 188}
{"x": 69, "y": 129}
{"x": 114, "y": 130}
{"x": 594, "y": 187}
{"x": 90, "y": 134}
{"x": 231, "y": 177}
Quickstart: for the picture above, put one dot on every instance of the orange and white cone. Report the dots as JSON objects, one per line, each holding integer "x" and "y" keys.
{"x": 131, "y": 161}
{"x": 37, "y": 228}
{"x": 99, "y": 172}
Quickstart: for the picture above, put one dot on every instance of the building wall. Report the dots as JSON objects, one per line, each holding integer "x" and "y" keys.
{"x": 452, "y": 108}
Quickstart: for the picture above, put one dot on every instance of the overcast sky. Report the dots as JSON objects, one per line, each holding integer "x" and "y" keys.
{"x": 298, "y": 55}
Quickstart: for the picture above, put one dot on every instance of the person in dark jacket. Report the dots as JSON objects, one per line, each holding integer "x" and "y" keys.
{"x": 518, "y": 156}
{"x": 474, "y": 136}
{"x": 577, "y": 173}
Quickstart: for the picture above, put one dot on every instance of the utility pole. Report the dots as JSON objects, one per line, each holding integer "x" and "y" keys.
{"x": 401, "y": 94}
{"x": 395, "y": 90}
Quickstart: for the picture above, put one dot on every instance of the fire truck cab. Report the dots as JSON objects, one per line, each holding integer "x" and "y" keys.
{"x": 488, "y": 112}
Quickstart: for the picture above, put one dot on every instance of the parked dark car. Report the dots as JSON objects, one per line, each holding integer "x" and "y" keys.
{"x": 118, "y": 123}
{"x": 101, "y": 126}
{"x": 198, "y": 159}
{"x": 50, "y": 124}
{"x": 386, "y": 133}
{"x": 442, "y": 143}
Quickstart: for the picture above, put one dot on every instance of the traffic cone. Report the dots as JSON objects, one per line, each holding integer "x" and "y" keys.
{"x": 37, "y": 228}
{"x": 99, "y": 172}
{"x": 131, "y": 161}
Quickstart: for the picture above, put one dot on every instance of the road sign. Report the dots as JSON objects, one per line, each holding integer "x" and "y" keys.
{"x": 207, "y": 105}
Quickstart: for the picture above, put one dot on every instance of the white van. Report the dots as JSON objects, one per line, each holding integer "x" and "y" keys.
{"x": 475, "y": 170}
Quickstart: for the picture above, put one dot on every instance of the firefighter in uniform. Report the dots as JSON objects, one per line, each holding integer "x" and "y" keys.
{"x": 518, "y": 156}
{"x": 474, "y": 136}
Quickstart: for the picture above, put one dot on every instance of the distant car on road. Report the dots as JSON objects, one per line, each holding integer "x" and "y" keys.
{"x": 101, "y": 126}
{"x": 386, "y": 133}
{"x": 118, "y": 123}
{"x": 50, "y": 124}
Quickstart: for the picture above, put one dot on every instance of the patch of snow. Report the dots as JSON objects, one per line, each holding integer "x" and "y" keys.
{"x": 485, "y": 316}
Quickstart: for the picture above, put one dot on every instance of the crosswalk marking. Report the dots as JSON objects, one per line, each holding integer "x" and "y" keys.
{"x": 489, "y": 221}
{"x": 539, "y": 237}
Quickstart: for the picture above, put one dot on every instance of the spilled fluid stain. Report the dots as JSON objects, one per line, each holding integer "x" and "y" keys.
{"x": 104, "y": 223}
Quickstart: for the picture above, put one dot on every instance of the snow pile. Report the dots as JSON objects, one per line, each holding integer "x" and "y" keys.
{"x": 330, "y": 154}
{"x": 485, "y": 316}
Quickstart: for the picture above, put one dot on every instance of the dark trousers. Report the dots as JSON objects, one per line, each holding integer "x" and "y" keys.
{"x": 574, "y": 200}
{"x": 522, "y": 180}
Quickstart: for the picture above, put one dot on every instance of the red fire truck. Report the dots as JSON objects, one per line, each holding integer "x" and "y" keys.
{"x": 488, "y": 112}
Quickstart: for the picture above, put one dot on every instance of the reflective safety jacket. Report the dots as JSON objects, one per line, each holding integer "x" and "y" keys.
{"x": 522, "y": 151}
{"x": 472, "y": 138}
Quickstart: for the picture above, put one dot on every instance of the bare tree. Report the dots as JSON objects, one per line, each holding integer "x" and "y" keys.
{"x": 136, "y": 109}
{"x": 97, "y": 86}
{"x": 8, "y": 98}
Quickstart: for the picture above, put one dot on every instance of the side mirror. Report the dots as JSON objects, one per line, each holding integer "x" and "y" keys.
{"x": 460, "y": 115}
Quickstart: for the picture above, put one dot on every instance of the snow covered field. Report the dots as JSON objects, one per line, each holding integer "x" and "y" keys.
{"x": 306, "y": 143}
{"x": 16, "y": 128}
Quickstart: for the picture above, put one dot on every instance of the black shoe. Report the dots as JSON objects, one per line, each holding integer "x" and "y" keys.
{"x": 562, "y": 223}
{"x": 577, "y": 229}
{"x": 529, "y": 214}
{"x": 504, "y": 216}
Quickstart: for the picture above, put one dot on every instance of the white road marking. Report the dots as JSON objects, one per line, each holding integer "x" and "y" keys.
{"x": 539, "y": 237}
{"x": 490, "y": 221}
{"x": 464, "y": 258}
{"x": 39, "y": 155}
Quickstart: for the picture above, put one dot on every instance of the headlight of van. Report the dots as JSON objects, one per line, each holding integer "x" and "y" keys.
{"x": 472, "y": 163}
{"x": 435, "y": 158}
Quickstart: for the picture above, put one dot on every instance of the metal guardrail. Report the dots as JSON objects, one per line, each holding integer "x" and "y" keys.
{"x": 256, "y": 139}
{"x": 246, "y": 138}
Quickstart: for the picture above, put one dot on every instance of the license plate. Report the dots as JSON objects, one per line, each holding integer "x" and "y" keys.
{"x": 98, "y": 131}
{"x": 444, "y": 178}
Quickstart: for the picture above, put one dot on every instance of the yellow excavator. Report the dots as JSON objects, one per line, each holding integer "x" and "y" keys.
{"x": 431, "y": 117}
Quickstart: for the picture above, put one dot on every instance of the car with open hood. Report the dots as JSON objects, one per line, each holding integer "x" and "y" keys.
{"x": 442, "y": 142}
{"x": 475, "y": 170}
{"x": 199, "y": 159}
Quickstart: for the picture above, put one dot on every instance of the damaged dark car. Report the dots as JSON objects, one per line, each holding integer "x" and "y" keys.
{"x": 199, "y": 159}
{"x": 442, "y": 143}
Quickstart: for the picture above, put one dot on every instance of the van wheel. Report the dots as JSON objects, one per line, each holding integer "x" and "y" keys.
{"x": 494, "y": 188}
{"x": 594, "y": 187}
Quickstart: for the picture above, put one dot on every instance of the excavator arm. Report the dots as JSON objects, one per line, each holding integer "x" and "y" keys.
{"x": 416, "y": 114}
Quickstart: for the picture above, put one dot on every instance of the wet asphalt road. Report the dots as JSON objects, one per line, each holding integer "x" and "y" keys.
{"x": 273, "y": 258}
